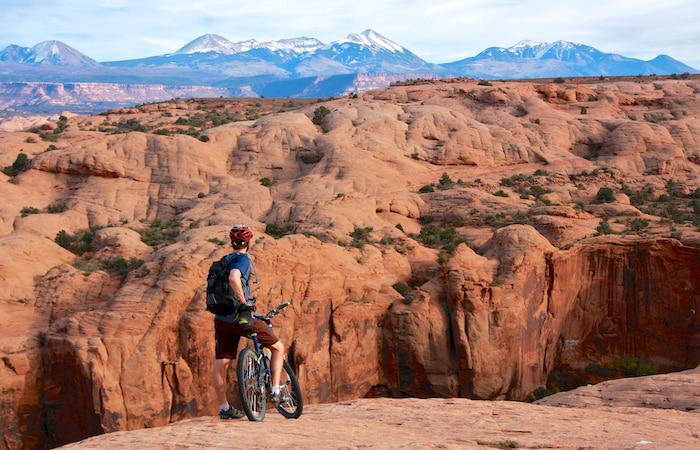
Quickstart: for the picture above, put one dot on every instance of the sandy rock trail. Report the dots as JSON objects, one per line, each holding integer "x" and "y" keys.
{"x": 431, "y": 423}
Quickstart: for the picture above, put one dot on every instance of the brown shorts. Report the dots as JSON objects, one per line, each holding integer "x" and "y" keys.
{"x": 228, "y": 334}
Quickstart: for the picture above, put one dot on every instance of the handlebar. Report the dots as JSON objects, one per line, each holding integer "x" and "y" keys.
{"x": 272, "y": 313}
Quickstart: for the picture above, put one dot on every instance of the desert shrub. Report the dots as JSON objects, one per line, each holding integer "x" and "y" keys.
{"x": 518, "y": 178}
{"x": 203, "y": 138}
{"x": 637, "y": 224}
{"x": 77, "y": 243}
{"x": 427, "y": 188}
{"x": 117, "y": 265}
{"x": 605, "y": 195}
{"x": 360, "y": 236}
{"x": 57, "y": 207}
{"x": 402, "y": 288}
{"x": 320, "y": 113}
{"x": 501, "y": 193}
{"x": 30, "y": 140}
{"x": 160, "y": 233}
{"x": 217, "y": 241}
{"x": 627, "y": 367}
{"x": 51, "y": 148}
{"x": 538, "y": 191}
{"x": 559, "y": 80}
{"x": 201, "y": 195}
{"x": 604, "y": 227}
{"x": 278, "y": 230}
{"x": 195, "y": 121}
{"x": 126, "y": 126}
{"x": 484, "y": 83}
{"x": 584, "y": 110}
{"x": 21, "y": 164}
{"x": 163, "y": 132}
{"x": 265, "y": 181}
{"x": 49, "y": 137}
{"x": 540, "y": 173}
{"x": 29, "y": 210}
{"x": 496, "y": 282}
{"x": 435, "y": 236}
{"x": 445, "y": 182}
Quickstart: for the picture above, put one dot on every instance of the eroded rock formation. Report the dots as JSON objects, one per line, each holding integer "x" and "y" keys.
{"x": 442, "y": 244}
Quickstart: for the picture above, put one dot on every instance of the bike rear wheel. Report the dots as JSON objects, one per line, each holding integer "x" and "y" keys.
{"x": 251, "y": 386}
{"x": 293, "y": 405}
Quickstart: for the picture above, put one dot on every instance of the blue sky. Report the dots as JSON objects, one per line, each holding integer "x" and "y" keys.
{"x": 437, "y": 31}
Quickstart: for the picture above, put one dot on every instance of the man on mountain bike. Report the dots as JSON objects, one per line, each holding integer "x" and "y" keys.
{"x": 228, "y": 329}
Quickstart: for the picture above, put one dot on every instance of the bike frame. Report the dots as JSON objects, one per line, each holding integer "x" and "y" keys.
{"x": 264, "y": 375}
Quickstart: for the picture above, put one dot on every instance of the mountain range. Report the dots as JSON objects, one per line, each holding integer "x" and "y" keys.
{"x": 305, "y": 66}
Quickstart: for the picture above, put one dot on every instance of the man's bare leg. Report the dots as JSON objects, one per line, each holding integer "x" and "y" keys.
{"x": 277, "y": 361}
{"x": 219, "y": 377}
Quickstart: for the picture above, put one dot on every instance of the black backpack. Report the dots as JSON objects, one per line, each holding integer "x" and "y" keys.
{"x": 220, "y": 297}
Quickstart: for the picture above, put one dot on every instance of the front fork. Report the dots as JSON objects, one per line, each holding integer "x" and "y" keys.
{"x": 263, "y": 363}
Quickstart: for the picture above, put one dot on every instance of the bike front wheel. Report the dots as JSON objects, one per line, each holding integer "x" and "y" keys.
{"x": 251, "y": 386}
{"x": 292, "y": 404}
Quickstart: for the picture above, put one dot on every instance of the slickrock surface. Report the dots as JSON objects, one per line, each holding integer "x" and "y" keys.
{"x": 444, "y": 239}
{"x": 680, "y": 391}
{"x": 433, "y": 423}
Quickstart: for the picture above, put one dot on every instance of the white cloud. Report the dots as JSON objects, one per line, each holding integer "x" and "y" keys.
{"x": 438, "y": 32}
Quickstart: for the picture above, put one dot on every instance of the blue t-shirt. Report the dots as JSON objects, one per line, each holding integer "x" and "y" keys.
{"x": 242, "y": 262}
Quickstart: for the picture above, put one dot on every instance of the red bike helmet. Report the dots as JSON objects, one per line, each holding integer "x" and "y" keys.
{"x": 240, "y": 235}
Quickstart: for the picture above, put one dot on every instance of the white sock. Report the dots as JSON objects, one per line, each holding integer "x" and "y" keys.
{"x": 276, "y": 389}
{"x": 224, "y": 406}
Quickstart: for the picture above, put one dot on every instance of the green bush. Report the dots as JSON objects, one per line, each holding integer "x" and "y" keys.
{"x": 445, "y": 182}
{"x": 117, "y": 265}
{"x": 584, "y": 110}
{"x": 484, "y": 83}
{"x": 435, "y": 236}
{"x": 501, "y": 193}
{"x": 279, "y": 230}
{"x": 604, "y": 227}
{"x": 29, "y": 210}
{"x": 267, "y": 182}
{"x": 78, "y": 243}
{"x": 605, "y": 195}
{"x": 320, "y": 113}
{"x": 496, "y": 282}
{"x": 195, "y": 121}
{"x": 402, "y": 288}
{"x": 637, "y": 224}
{"x": 160, "y": 233}
{"x": 57, "y": 207}
{"x": 30, "y": 140}
{"x": 427, "y": 188}
{"x": 361, "y": 236}
{"x": 517, "y": 179}
{"x": 201, "y": 195}
{"x": 21, "y": 164}
{"x": 49, "y": 137}
{"x": 217, "y": 241}
{"x": 560, "y": 80}
{"x": 540, "y": 173}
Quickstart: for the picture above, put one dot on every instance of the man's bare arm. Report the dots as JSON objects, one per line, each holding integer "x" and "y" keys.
{"x": 234, "y": 279}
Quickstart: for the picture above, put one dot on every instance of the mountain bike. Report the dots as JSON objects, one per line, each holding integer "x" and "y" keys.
{"x": 254, "y": 378}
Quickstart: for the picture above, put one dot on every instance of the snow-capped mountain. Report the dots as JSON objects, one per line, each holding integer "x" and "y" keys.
{"x": 214, "y": 43}
{"x": 531, "y": 59}
{"x": 294, "y": 45}
{"x": 372, "y": 40}
{"x": 370, "y": 52}
{"x": 48, "y": 53}
{"x": 305, "y": 66}
{"x": 219, "y": 44}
